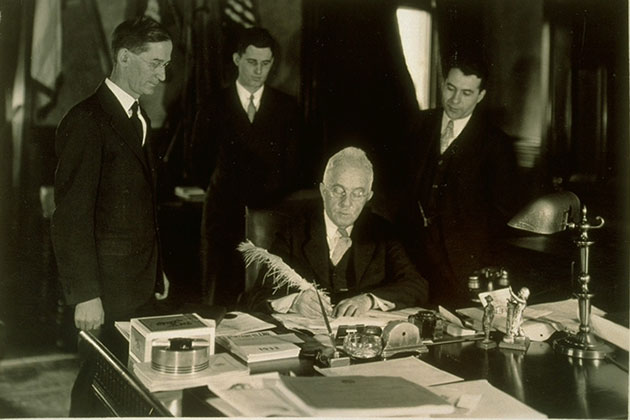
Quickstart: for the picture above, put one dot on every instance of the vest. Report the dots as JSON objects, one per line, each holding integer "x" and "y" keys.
{"x": 341, "y": 277}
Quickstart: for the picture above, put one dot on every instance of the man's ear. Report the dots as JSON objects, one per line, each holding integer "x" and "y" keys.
{"x": 322, "y": 188}
{"x": 482, "y": 94}
{"x": 236, "y": 58}
{"x": 122, "y": 56}
{"x": 370, "y": 195}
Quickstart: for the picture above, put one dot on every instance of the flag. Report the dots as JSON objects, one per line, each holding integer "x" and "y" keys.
{"x": 46, "y": 50}
{"x": 240, "y": 12}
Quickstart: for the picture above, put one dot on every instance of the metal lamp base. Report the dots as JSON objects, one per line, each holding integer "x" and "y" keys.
{"x": 583, "y": 346}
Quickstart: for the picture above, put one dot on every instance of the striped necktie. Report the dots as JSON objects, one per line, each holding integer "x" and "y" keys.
{"x": 135, "y": 120}
{"x": 446, "y": 137}
{"x": 251, "y": 109}
{"x": 343, "y": 244}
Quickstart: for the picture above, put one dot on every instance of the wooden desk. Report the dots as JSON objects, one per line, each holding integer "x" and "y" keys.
{"x": 556, "y": 385}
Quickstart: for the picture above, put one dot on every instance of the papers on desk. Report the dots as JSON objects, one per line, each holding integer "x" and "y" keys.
{"x": 235, "y": 323}
{"x": 318, "y": 326}
{"x": 539, "y": 321}
{"x": 272, "y": 395}
{"x": 479, "y": 399}
{"x": 220, "y": 365}
{"x": 361, "y": 396}
{"x": 410, "y": 368}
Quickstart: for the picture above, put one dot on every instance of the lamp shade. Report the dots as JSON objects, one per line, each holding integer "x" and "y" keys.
{"x": 548, "y": 214}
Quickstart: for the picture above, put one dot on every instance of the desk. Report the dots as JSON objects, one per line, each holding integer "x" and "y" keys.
{"x": 556, "y": 385}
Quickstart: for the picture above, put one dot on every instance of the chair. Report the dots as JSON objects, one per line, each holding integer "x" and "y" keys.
{"x": 121, "y": 393}
{"x": 262, "y": 225}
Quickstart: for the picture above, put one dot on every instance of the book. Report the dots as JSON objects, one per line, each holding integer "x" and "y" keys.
{"x": 220, "y": 365}
{"x": 259, "y": 346}
{"x": 362, "y": 396}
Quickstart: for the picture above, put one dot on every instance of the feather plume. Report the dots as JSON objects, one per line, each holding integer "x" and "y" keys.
{"x": 277, "y": 270}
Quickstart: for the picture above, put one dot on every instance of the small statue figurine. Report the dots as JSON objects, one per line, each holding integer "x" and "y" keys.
{"x": 488, "y": 317}
{"x": 514, "y": 335}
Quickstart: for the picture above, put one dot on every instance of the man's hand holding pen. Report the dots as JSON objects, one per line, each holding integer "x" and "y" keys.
{"x": 306, "y": 304}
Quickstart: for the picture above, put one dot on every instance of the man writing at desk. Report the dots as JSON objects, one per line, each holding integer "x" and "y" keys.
{"x": 349, "y": 252}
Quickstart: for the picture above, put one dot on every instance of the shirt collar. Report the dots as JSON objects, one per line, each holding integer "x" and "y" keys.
{"x": 125, "y": 99}
{"x": 244, "y": 94}
{"x": 458, "y": 125}
{"x": 331, "y": 228}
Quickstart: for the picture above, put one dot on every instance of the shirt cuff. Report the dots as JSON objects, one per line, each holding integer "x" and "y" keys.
{"x": 382, "y": 304}
{"x": 284, "y": 304}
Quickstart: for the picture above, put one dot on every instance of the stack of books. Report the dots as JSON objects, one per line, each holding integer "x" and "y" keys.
{"x": 259, "y": 346}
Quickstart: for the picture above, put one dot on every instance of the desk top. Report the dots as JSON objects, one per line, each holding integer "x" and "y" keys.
{"x": 553, "y": 384}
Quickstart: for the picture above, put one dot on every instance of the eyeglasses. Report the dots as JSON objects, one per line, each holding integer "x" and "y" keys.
{"x": 338, "y": 191}
{"x": 155, "y": 65}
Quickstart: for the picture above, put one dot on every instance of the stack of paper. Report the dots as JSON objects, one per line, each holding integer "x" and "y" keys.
{"x": 220, "y": 365}
{"x": 261, "y": 346}
{"x": 237, "y": 323}
{"x": 410, "y": 368}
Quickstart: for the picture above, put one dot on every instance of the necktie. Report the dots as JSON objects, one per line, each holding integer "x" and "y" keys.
{"x": 251, "y": 109}
{"x": 446, "y": 137}
{"x": 135, "y": 120}
{"x": 343, "y": 243}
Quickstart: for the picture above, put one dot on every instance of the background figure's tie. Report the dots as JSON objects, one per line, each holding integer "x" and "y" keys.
{"x": 251, "y": 109}
{"x": 343, "y": 243}
{"x": 135, "y": 120}
{"x": 446, "y": 136}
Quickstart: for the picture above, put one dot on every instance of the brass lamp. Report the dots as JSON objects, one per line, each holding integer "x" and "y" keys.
{"x": 554, "y": 213}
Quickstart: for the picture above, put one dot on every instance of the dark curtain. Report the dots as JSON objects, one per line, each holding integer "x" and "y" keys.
{"x": 356, "y": 88}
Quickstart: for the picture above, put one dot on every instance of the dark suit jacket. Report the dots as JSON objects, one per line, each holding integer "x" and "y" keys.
{"x": 104, "y": 228}
{"x": 255, "y": 162}
{"x": 478, "y": 193}
{"x": 381, "y": 265}
{"x": 252, "y": 164}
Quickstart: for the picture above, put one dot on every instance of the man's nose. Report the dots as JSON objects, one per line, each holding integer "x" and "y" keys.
{"x": 456, "y": 97}
{"x": 258, "y": 69}
{"x": 161, "y": 73}
{"x": 345, "y": 201}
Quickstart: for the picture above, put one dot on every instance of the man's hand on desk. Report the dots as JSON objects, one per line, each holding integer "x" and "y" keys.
{"x": 307, "y": 304}
{"x": 354, "y": 306}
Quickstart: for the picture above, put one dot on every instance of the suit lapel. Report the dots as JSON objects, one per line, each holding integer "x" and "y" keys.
{"x": 362, "y": 248}
{"x": 315, "y": 244}
{"x": 122, "y": 125}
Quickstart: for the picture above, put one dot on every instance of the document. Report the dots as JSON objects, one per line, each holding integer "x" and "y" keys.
{"x": 362, "y": 396}
{"x": 410, "y": 368}
{"x": 479, "y": 399}
{"x": 235, "y": 323}
{"x": 318, "y": 326}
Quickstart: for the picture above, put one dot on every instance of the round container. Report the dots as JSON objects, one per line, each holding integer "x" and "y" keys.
{"x": 364, "y": 344}
{"x": 181, "y": 356}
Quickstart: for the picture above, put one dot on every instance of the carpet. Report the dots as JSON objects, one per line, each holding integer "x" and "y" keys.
{"x": 37, "y": 386}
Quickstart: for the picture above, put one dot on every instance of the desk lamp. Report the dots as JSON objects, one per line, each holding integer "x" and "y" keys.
{"x": 554, "y": 213}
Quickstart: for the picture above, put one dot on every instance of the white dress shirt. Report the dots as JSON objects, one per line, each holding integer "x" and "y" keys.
{"x": 126, "y": 101}
{"x": 458, "y": 126}
{"x": 244, "y": 95}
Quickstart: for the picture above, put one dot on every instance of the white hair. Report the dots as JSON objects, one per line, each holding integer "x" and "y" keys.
{"x": 350, "y": 156}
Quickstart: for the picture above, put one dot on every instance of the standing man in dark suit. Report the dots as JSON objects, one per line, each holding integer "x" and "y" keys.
{"x": 351, "y": 253}
{"x": 465, "y": 185}
{"x": 104, "y": 228}
{"x": 248, "y": 138}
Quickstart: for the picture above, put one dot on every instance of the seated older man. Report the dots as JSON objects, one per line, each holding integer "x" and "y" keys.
{"x": 344, "y": 249}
